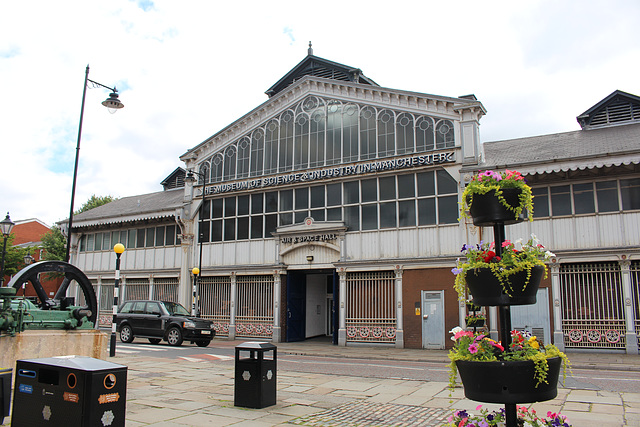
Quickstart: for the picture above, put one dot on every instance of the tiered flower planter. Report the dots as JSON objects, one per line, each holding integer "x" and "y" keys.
{"x": 507, "y": 382}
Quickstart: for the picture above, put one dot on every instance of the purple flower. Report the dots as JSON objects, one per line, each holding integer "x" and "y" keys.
{"x": 456, "y": 270}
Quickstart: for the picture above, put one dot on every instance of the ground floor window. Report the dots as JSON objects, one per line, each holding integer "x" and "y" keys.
{"x": 592, "y": 305}
{"x": 371, "y": 314}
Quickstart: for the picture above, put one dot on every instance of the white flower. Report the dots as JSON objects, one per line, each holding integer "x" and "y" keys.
{"x": 517, "y": 245}
{"x": 549, "y": 254}
{"x": 535, "y": 240}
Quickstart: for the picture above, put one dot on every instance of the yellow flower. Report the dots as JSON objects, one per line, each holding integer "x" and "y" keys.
{"x": 533, "y": 342}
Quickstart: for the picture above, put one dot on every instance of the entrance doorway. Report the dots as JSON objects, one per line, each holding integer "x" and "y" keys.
{"x": 433, "y": 319}
{"x": 311, "y": 299}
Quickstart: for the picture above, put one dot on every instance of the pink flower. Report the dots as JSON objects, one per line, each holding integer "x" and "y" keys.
{"x": 473, "y": 348}
{"x": 506, "y": 243}
{"x": 460, "y": 334}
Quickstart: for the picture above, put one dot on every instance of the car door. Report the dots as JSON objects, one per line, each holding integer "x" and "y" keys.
{"x": 136, "y": 318}
{"x": 153, "y": 320}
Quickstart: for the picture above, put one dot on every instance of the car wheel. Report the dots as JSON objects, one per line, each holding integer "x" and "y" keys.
{"x": 174, "y": 337}
{"x": 154, "y": 340}
{"x": 126, "y": 334}
{"x": 202, "y": 343}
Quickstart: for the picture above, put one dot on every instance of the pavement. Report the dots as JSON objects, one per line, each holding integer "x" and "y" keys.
{"x": 162, "y": 392}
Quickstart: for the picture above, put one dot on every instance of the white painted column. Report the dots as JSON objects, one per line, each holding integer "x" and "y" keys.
{"x": 277, "y": 286}
{"x": 342, "y": 322}
{"x": 399, "y": 318}
{"x": 232, "y": 309}
{"x": 627, "y": 296}
{"x": 556, "y": 297}
{"x": 493, "y": 323}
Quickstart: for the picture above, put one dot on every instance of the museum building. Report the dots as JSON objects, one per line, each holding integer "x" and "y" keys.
{"x": 332, "y": 210}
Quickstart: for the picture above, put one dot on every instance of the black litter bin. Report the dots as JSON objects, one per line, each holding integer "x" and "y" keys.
{"x": 255, "y": 379}
{"x": 69, "y": 391}
{"x": 5, "y": 393}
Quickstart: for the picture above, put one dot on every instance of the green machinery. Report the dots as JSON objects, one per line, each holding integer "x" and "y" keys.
{"x": 19, "y": 313}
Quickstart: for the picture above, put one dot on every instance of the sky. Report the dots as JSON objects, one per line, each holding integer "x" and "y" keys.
{"x": 186, "y": 69}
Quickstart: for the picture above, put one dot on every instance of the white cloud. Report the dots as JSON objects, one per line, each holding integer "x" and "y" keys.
{"x": 187, "y": 69}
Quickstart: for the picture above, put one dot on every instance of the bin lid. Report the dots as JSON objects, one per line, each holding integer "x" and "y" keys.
{"x": 256, "y": 345}
{"x": 83, "y": 363}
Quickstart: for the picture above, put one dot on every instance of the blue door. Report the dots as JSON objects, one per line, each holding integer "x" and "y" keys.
{"x": 296, "y": 301}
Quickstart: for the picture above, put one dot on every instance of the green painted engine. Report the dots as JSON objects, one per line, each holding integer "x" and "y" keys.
{"x": 19, "y": 313}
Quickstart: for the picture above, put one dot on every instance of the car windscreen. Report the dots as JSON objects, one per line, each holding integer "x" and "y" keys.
{"x": 176, "y": 309}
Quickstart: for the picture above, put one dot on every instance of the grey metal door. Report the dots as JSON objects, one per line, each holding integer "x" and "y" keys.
{"x": 534, "y": 318}
{"x": 432, "y": 312}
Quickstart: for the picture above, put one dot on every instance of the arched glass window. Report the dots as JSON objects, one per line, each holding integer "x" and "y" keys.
{"x": 367, "y": 133}
{"x": 271, "y": 147}
{"x": 286, "y": 141}
{"x": 244, "y": 149}
{"x": 334, "y": 133}
{"x": 257, "y": 152}
{"x": 217, "y": 162}
{"x": 444, "y": 134}
{"x": 350, "y": 133}
{"x": 230, "y": 163}
{"x": 301, "y": 153}
{"x": 425, "y": 140}
{"x": 386, "y": 134}
{"x": 404, "y": 133}
{"x": 316, "y": 138}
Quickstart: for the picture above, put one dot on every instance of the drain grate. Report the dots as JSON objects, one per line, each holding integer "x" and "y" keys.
{"x": 363, "y": 413}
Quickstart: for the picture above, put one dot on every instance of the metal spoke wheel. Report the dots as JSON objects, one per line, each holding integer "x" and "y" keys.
{"x": 31, "y": 274}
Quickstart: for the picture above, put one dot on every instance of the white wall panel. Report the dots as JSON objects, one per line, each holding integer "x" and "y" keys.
{"x": 585, "y": 232}
{"x": 449, "y": 241}
{"x": 370, "y": 245}
{"x": 407, "y": 243}
{"x": 353, "y": 246}
{"x": 428, "y": 242}
{"x": 610, "y": 229}
{"x": 564, "y": 233}
{"x": 631, "y": 226}
{"x": 388, "y": 244}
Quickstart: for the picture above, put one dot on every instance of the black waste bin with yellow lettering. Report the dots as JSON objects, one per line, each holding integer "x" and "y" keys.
{"x": 69, "y": 391}
{"x": 255, "y": 376}
{"x": 5, "y": 393}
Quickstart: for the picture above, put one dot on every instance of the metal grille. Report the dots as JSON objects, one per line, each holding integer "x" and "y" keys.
{"x": 165, "y": 289}
{"x": 136, "y": 289}
{"x": 592, "y": 306}
{"x": 105, "y": 303}
{"x": 215, "y": 302}
{"x": 635, "y": 290}
{"x": 371, "y": 315}
{"x": 255, "y": 306}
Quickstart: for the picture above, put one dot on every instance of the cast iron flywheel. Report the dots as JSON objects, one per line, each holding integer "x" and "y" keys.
{"x": 31, "y": 274}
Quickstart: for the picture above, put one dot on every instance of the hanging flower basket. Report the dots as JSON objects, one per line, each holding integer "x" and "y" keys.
{"x": 472, "y": 307}
{"x": 475, "y": 322}
{"x": 497, "y": 198}
{"x": 489, "y": 209}
{"x": 508, "y": 381}
{"x": 519, "y": 288}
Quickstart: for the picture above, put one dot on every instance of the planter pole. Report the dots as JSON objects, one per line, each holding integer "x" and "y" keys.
{"x": 505, "y": 322}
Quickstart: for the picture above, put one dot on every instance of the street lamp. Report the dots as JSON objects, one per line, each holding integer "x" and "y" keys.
{"x": 6, "y": 225}
{"x": 113, "y": 104}
{"x": 119, "y": 250}
{"x": 190, "y": 178}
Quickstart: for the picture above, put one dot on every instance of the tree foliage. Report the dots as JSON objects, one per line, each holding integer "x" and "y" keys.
{"x": 14, "y": 257}
{"x": 95, "y": 201}
{"x": 54, "y": 244}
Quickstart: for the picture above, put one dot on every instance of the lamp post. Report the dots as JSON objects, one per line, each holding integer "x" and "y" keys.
{"x": 194, "y": 304}
{"x": 6, "y": 225}
{"x": 113, "y": 104}
{"x": 190, "y": 178}
{"x": 118, "y": 249}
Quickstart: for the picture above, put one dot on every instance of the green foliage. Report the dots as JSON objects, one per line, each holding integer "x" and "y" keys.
{"x": 95, "y": 201}
{"x": 516, "y": 256}
{"x": 14, "y": 257}
{"x": 54, "y": 244}
{"x": 487, "y": 181}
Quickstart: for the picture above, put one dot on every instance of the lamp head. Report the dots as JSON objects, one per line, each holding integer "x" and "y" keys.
{"x": 195, "y": 271}
{"x": 113, "y": 103}
{"x": 6, "y": 225}
{"x": 118, "y": 248}
{"x": 28, "y": 259}
{"x": 190, "y": 177}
